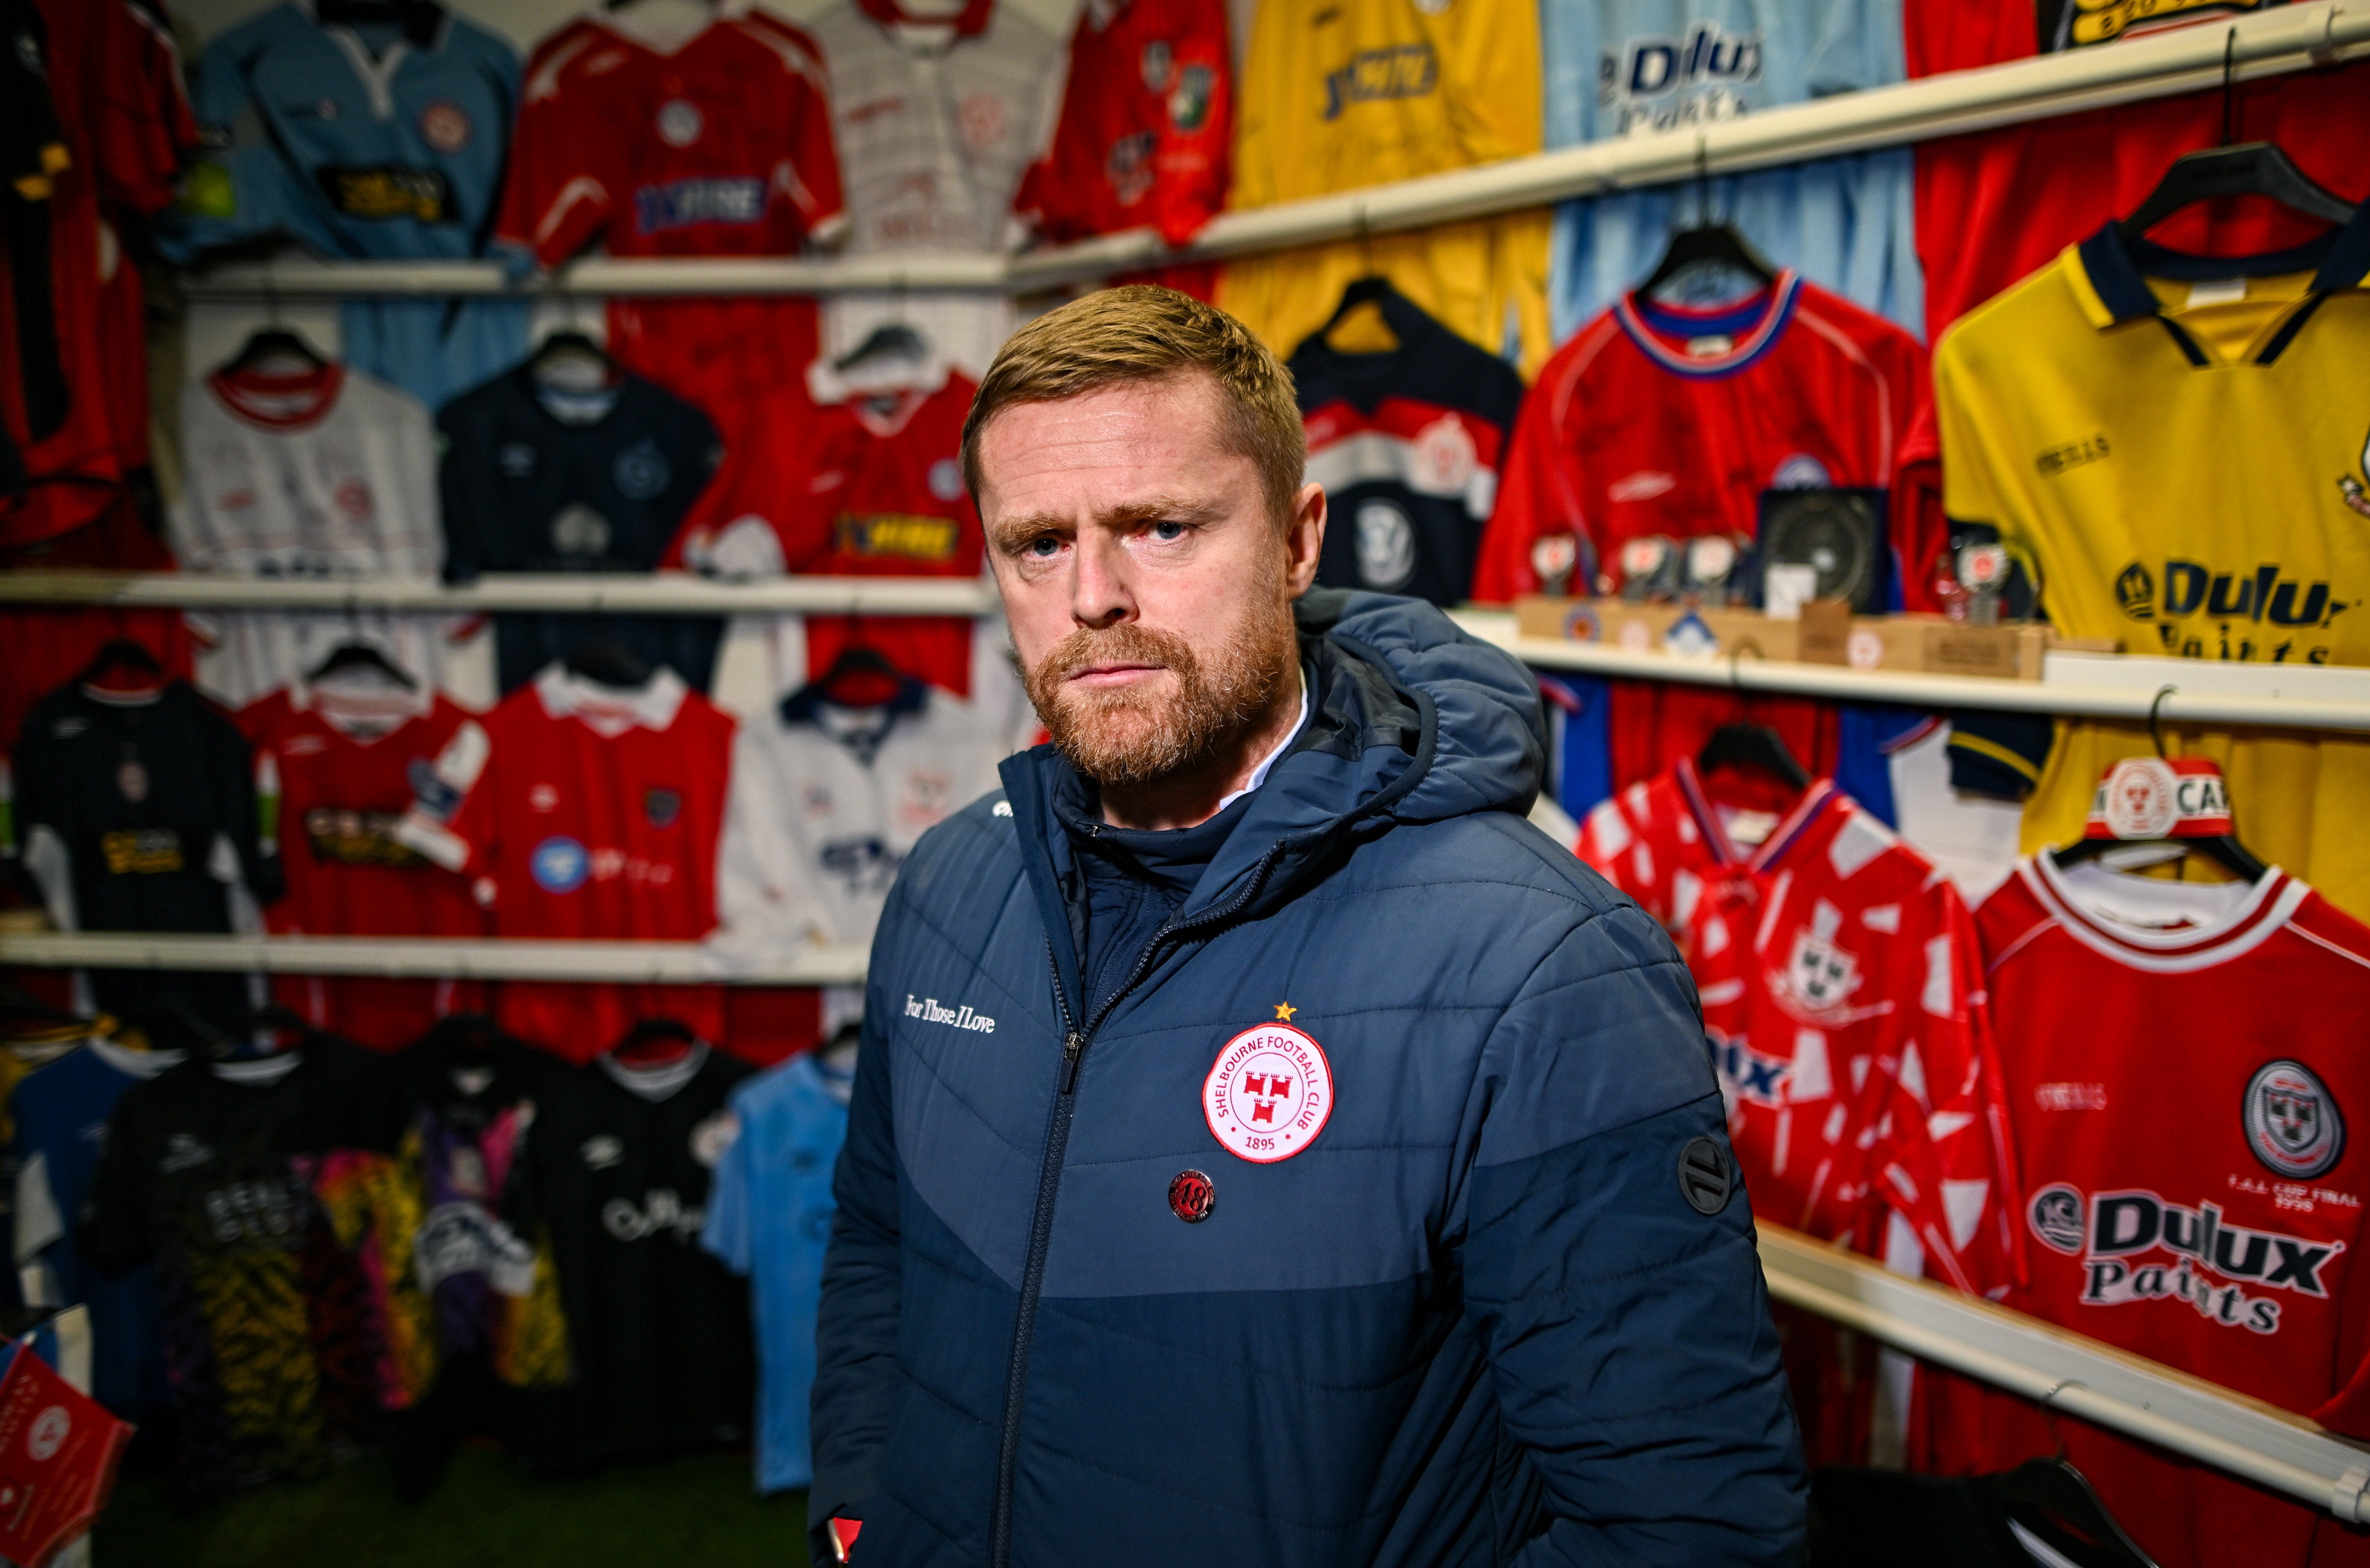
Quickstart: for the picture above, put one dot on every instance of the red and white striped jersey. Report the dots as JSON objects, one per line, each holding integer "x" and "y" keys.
{"x": 1844, "y": 1008}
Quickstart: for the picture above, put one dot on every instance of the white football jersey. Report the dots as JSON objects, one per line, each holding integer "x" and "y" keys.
{"x": 825, "y": 804}
{"x": 327, "y": 475}
{"x": 935, "y": 126}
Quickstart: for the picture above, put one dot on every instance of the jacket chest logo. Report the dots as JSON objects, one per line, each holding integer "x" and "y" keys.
{"x": 1269, "y": 1094}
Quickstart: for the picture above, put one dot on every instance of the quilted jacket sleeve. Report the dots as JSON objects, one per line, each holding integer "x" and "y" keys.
{"x": 855, "y": 1327}
{"x": 1628, "y": 1331}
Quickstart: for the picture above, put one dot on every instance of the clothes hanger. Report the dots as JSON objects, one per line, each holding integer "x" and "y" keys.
{"x": 654, "y": 1042}
{"x": 2053, "y": 1500}
{"x": 2240, "y": 168}
{"x": 1751, "y": 745}
{"x": 1360, "y": 322}
{"x": 2223, "y": 849}
{"x": 124, "y": 667}
{"x": 271, "y": 343}
{"x": 890, "y": 339}
{"x": 605, "y": 661}
{"x": 355, "y": 656}
{"x": 861, "y": 676}
{"x": 571, "y": 360}
{"x": 1709, "y": 243}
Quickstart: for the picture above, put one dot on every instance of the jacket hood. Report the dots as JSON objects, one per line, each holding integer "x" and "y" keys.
{"x": 1410, "y": 720}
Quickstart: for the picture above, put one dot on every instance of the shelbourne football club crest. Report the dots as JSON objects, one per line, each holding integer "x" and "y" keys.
{"x": 2291, "y": 1120}
{"x": 1823, "y": 975}
{"x": 1269, "y": 1093}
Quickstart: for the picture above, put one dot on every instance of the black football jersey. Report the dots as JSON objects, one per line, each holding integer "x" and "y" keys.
{"x": 615, "y": 1174}
{"x": 1409, "y": 445}
{"x": 526, "y": 488}
{"x": 139, "y": 791}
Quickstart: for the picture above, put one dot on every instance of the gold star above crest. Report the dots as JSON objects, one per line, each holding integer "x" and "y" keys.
{"x": 1284, "y": 1012}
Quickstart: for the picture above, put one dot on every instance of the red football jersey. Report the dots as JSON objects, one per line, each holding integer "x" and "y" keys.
{"x": 1837, "y": 972}
{"x": 1654, "y": 420}
{"x": 1146, "y": 125}
{"x": 582, "y": 813}
{"x": 334, "y": 774}
{"x": 2180, "y": 1060}
{"x": 851, "y": 486}
{"x": 1997, "y": 206}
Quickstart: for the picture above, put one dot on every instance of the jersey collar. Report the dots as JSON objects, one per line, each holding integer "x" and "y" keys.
{"x": 1751, "y": 325}
{"x": 2109, "y": 276}
{"x": 2078, "y": 903}
{"x": 609, "y": 712}
{"x": 1790, "y": 830}
{"x": 969, "y": 21}
{"x": 280, "y": 402}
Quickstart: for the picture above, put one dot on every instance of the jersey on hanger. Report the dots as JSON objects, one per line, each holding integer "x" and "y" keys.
{"x": 836, "y": 482}
{"x": 1408, "y": 444}
{"x": 1841, "y": 995}
{"x": 2260, "y": 556}
{"x": 614, "y": 1174}
{"x": 1146, "y": 125}
{"x": 534, "y": 479}
{"x": 935, "y": 122}
{"x": 769, "y": 1219}
{"x": 328, "y": 474}
{"x": 1660, "y": 420}
{"x": 1617, "y": 68}
{"x": 1338, "y": 94}
{"x": 61, "y": 1113}
{"x": 578, "y": 812}
{"x": 335, "y": 772}
{"x": 271, "y": 1353}
{"x": 152, "y": 807}
{"x": 2183, "y": 1067}
{"x": 826, "y": 803}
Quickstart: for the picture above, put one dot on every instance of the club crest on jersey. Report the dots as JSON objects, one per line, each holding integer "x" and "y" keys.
{"x": 1188, "y": 104}
{"x": 714, "y": 1137}
{"x": 642, "y": 471}
{"x": 944, "y": 479}
{"x": 1155, "y": 63}
{"x": 1128, "y": 166}
{"x": 1822, "y": 975}
{"x": 132, "y": 782}
{"x": 662, "y": 806}
{"x": 444, "y": 125}
{"x": 2291, "y": 1120}
{"x": 680, "y": 122}
{"x": 1385, "y": 544}
{"x": 1269, "y": 1093}
{"x": 2135, "y": 1247}
{"x": 2351, "y": 486}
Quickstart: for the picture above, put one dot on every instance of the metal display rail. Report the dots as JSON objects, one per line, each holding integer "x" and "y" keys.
{"x": 430, "y": 958}
{"x": 2271, "y": 42}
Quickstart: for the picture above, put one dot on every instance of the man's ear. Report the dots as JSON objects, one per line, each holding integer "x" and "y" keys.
{"x": 1303, "y": 539}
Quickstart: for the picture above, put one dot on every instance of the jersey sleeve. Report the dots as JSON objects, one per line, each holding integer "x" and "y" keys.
{"x": 1538, "y": 494}
{"x": 452, "y": 819}
{"x": 1970, "y": 490}
{"x": 1616, "y": 839}
{"x": 229, "y": 766}
{"x": 748, "y": 521}
{"x": 730, "y": 1233}
{"x": 112, "y": 1228}
{"x": 754, "y": 857}
{"x": 811, "y": 173}
{"x": 559, "y": 187}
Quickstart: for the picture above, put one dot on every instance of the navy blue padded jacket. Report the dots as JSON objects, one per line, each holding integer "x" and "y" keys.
{"x": 1476, "y": 1320}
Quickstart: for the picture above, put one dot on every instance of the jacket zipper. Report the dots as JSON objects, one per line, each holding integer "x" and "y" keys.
{"x": 1049, "y": 1181}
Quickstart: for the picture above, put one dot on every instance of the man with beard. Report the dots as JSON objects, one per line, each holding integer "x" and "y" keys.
{"x": 1267, "y": 1147}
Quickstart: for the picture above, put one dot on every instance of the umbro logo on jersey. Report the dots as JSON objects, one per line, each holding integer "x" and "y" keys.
{"x": 929, "y": 1010}
{"x": 515, "y": 459}
{"x": 2137, "y": 1246}
{"x": 1375, "y": 75}
{"x": 602, "y": 1151}
{"x": 183, "y": 1151}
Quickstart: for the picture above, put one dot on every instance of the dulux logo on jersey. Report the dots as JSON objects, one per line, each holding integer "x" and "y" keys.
{"x": 1657, "y": 84}
{"x": 2287, "y": 609}
{"x": 2136, "y": 1246}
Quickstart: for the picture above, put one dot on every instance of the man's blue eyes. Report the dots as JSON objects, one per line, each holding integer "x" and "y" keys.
{"x": 1045, "y": 548}
{"x": 1168, "y": 530}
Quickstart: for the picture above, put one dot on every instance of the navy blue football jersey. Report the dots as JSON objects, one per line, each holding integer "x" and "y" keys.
{"x": 538, "y": 481}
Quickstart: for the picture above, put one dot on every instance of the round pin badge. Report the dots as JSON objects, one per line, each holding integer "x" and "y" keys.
{"x": 1191, "y": 1196}
{"x": 1269, "y": 1093}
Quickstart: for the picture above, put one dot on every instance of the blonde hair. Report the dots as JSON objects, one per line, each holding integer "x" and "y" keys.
{"x": 1142, "y": 333}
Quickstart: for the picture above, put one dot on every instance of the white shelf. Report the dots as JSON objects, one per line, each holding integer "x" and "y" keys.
{"x": 2253, "y": 695}
{"x": 2272, "y": 42}
{"x": 430, "y": 958}
{"x": 657, "y": 593}
{"x": 2070, "y": 1373}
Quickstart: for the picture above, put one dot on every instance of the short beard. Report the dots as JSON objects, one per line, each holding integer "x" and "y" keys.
{"x": 1130, "y": 738}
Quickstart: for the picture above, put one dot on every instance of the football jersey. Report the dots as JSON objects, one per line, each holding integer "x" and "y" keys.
{"x": 936, "y": 120}
{"x": 534, "y": 479}
{"x": 62, "y": 1112}
{"x": 1842, "y": 1000}
{"x": 1408, "y": 444}
{"x": 1146, "y": 126}
{"x": 615, "y": 1174}
{"x": 581, "y": 812}
{"x": 2257, "y": 556}
{"x": 1619, "y": 68}
{"x": 271, "y": 1351}
{"x": 769, "y": 1219}
{"x": 327, "y": 474}
{"x": 2182, "y": 1059}
{"x": 153, "y": 804}
{"x": 837, "y": 482}
{"x": 1666, "y": 419}
{"x": 335, "y": 771}
{"x": 1338, "y": 94}
{"x": 826, "y": 803}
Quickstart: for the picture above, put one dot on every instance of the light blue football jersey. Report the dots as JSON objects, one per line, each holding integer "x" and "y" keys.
{"x": 769, "y": 1218}
{"x": 1630, "y": 67}
{"x": 368, "y": 142}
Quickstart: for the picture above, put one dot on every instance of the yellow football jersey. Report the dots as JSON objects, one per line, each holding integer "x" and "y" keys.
{"x": 1338, "y": 94}
{"x": 2179, "y": 457}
